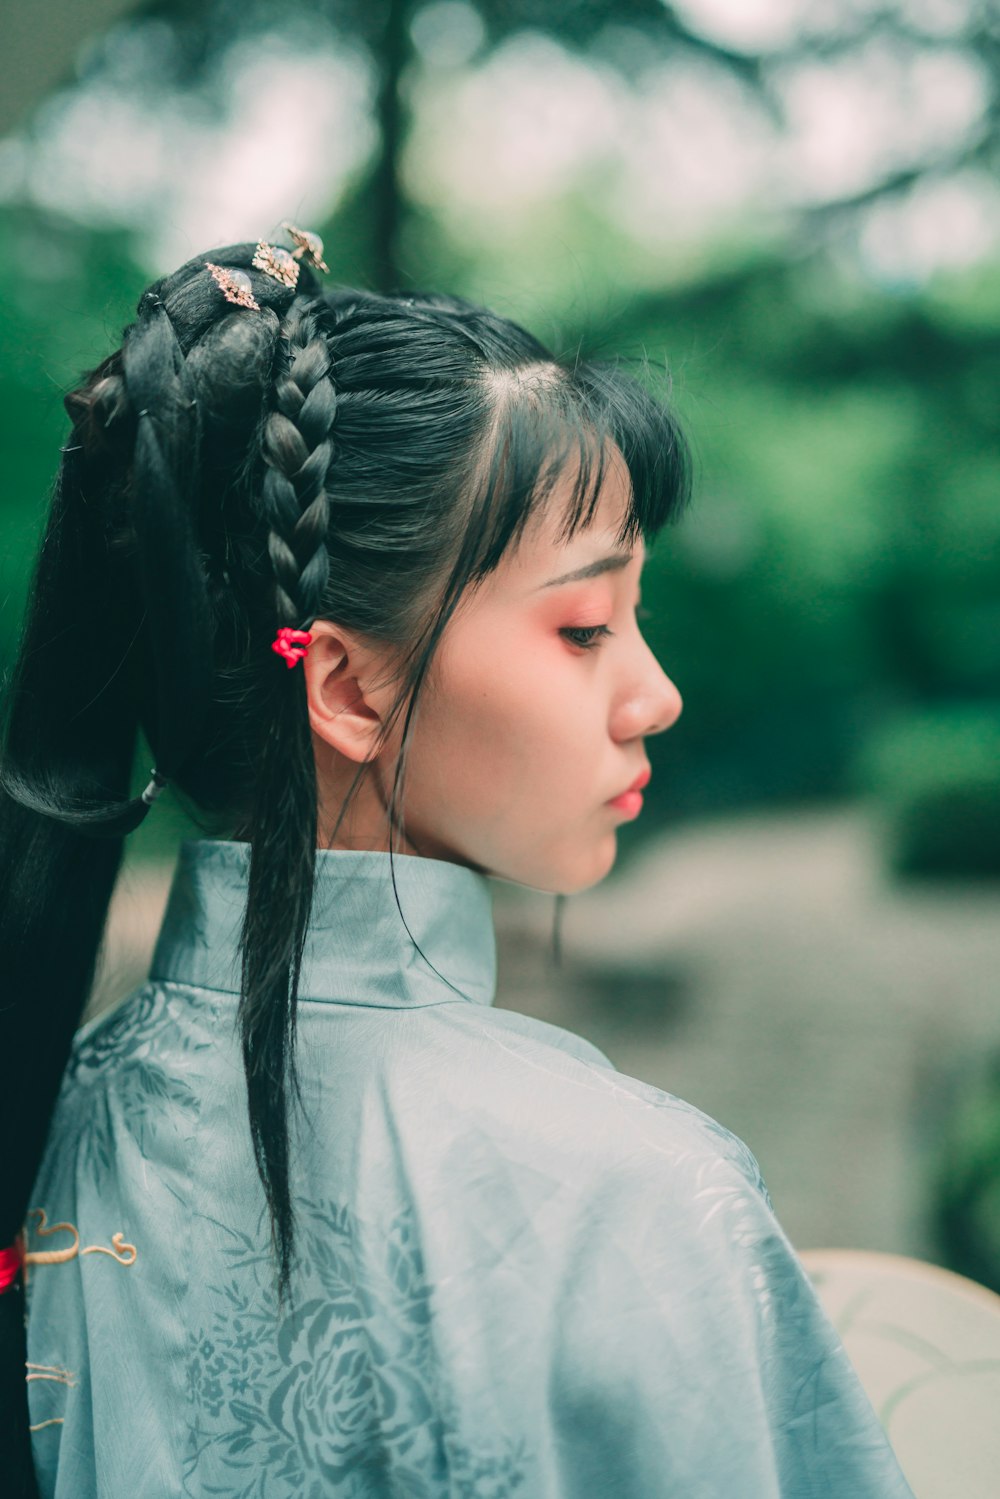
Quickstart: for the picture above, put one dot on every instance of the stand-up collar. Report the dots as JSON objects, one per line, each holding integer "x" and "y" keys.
{"x": 357, "y": 950}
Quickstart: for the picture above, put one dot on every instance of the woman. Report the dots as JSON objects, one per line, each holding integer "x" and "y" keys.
{"x": 307, "y": 1214}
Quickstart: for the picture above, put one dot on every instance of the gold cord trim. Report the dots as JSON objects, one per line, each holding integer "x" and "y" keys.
{"x": 124, "y": 1253}
{"x": 57, "y": 1375}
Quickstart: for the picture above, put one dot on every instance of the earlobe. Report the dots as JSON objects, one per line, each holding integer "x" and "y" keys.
{"x": 342, "y": 712}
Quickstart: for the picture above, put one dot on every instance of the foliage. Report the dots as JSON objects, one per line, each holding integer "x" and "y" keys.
{"x": 937, "y": 774}
{"x": 965, "y": 1178}
{"x": 74, "y": 290}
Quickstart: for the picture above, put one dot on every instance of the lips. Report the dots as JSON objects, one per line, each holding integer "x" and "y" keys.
{"x": 641, "y": 780}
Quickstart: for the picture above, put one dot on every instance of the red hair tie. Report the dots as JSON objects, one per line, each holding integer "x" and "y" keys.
{"x": 284, "y": 644}
{"x": 11, "y": 1261}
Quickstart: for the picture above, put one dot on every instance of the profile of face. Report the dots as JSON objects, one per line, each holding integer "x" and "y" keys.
{"x": 531, "y": 720}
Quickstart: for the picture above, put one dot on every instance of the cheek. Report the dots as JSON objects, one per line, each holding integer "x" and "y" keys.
{"x": 504, "y": 710}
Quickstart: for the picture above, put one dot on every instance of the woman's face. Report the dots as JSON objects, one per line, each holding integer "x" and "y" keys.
{"x": 533, "y": 716}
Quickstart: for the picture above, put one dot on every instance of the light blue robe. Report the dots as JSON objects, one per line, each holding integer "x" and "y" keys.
{"x": 522, "y": 1273}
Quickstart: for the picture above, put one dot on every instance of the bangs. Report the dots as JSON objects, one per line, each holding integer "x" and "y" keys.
{"x": 549, "y": 423}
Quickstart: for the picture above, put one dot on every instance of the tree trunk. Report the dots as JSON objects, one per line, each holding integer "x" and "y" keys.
{"x": 390, "y": 111}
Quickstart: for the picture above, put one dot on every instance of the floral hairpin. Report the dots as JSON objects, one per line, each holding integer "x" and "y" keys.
{"x": 236, "y": 285}
{"x": 275, "y": 261}
{"x": 308, "y": 245}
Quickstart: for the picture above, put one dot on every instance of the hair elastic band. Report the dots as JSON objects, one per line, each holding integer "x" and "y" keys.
{"x": 292, "y": 644}
{"x": 154, "y": 788}
{"x": 11, "y": 1261}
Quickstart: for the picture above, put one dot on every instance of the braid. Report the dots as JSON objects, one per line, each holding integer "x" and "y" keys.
{"x": 298, "y": 450}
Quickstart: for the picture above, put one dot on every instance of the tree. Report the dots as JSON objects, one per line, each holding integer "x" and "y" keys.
{"x": 627, "y": 34}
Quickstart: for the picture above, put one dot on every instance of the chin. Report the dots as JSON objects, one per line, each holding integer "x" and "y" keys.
{"x": 603, "y": 864}
{"x": 583, "y": 874}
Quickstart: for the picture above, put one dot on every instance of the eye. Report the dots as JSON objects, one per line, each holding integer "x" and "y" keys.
{"x": 587, "y": 637}
{"x": 590, "y": 634}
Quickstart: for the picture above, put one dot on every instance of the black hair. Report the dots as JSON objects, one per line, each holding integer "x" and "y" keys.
{"x": 333, "y": 454}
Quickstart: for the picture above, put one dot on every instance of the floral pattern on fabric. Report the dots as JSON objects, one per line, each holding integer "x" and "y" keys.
{"x": 342, "y": 1390}
{"x": 132, "y": 1043}
{"x": 133, "y": 1032}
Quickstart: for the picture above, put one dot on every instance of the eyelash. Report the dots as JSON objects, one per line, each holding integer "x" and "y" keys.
{"x": 599, "y": 631}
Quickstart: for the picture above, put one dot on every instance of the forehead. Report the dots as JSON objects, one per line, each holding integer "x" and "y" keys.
{"x": 543, "y": 552}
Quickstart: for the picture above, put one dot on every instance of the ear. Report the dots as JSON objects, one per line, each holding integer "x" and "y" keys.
{"x": 345, "y": 688}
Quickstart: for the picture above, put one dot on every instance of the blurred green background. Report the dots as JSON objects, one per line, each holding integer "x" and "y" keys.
{"x": 795, "y": 217}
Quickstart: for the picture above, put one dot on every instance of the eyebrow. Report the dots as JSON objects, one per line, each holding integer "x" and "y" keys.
{"x": 607, "y": 564}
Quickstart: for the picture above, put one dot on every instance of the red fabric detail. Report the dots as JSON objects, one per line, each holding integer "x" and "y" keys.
{"x": 11, "y": 1261}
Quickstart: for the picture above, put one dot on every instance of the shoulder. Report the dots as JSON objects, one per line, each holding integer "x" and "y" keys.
{"x": 549, "y": 1096}
{"x": 629, "y": 1240}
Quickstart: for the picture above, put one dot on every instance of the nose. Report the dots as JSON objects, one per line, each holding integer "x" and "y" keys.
{"x": 665, "y": 707}
{"x": 652, "y": 706}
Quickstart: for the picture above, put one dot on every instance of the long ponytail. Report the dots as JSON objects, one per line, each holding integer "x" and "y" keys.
{"x": 120, "y": 561}
{"x": 72, "y": 719}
